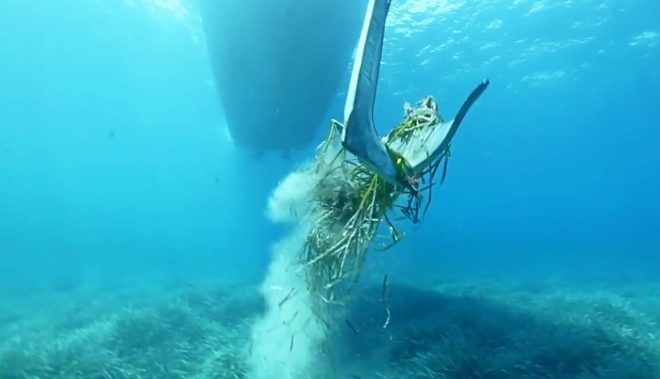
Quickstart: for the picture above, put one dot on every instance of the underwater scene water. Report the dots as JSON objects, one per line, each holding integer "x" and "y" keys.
{"x": 142, "y": 237}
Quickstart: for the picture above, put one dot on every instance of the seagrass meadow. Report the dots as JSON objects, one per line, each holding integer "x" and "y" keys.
{"x": 444, "y": 329}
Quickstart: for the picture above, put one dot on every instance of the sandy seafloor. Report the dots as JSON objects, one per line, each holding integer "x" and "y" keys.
{"x": 443, "y": 328}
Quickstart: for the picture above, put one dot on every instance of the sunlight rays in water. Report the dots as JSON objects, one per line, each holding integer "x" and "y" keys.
{"x": 178, "y": 9}
{"x": 171, "y": 14}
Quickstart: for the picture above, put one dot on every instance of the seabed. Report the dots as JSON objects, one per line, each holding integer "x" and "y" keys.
{"x": 445, "y": 329}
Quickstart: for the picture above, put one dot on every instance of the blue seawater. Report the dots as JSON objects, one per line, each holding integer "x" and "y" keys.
{"x": 132, "y": 231}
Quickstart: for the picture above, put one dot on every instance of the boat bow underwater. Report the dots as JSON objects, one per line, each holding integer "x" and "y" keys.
{"x": 278, "y": 65}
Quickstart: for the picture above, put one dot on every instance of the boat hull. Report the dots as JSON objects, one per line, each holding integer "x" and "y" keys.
{"x": 278, "y": 65}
